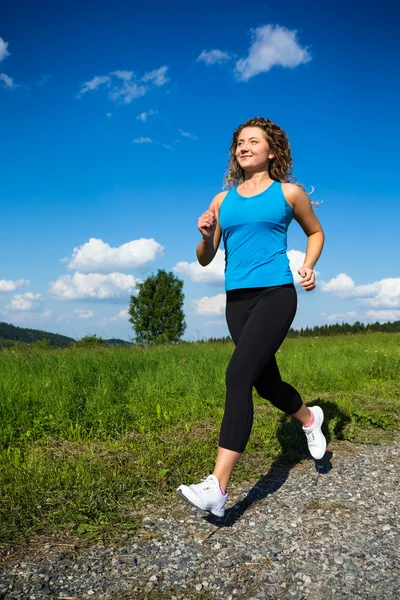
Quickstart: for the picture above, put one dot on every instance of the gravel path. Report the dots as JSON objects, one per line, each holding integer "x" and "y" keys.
{"x": 330, "y": 532}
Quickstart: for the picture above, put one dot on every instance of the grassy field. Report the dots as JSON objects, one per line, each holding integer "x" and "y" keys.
{"x": 88, "y": 436}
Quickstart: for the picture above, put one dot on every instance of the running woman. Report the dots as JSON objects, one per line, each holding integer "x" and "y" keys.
{"x": 261, "y": 300}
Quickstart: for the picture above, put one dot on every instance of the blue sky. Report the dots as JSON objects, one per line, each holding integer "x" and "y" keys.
{"x": 116, "y": 120}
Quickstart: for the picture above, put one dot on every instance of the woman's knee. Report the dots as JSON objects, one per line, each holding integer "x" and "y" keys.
{"x": 283, "y": 396}
{"x": 269, "y": 390}
{"x": 237, "y": 377}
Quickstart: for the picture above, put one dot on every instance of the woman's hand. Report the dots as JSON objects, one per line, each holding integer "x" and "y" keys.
{"x": 207, "y": 223}
{"x": 308, "y": 278}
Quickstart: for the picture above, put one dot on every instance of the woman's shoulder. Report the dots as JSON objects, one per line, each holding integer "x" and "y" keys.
{"x": 291, "y": 191}
{"x": 219, "y": 198}
{"x": 289, "y": 188}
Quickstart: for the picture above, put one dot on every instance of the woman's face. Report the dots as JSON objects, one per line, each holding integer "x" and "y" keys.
{"x": 252, "y": 149}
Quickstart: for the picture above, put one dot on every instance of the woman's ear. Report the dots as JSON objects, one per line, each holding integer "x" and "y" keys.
{"x": 271, "y": 155}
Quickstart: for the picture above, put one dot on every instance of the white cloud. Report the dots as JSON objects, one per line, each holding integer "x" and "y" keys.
{"x": 214, "y": 305}
{"x": 83, "y": 314}
{"x": 351, "y": 314}
{"x": 271, "y": 46}
{"x": 212, "y": 274}
{"x": 122, "y": 86}
{"x": 147, "y": 140}
{"x": 188, "y": 135}
{"x": 384, "y": 293}
{"x": 213, "y": 57}
{"x": 93, "y": 84}
{"x": 123, "y": 315}
{"x": 143, "y": 140}
{"x": 157, "y": 76}
{"x": 384, "y": 315}
{"x": 108, "y": 115}
{"x": 145, "y": 115}
{"x": 93, "y": 285}
{"x": 8, "y": 81}
{"x": 95, "y": 256}
{"x": 24, "y": 301}
{"x": 3, "y": 49}
{"x": 124, "y": 75}
{"x": 128, "y": 92}
{"x": 7, "y": 285}
{"x": 215, "y": 323}
{"x": 341, "y": 285}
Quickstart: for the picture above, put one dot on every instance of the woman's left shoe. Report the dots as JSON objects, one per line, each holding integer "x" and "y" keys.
{"x": 205, "y": 495}
{"x": 315, "y": 438}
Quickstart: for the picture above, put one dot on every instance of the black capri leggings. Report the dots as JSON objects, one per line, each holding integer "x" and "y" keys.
{"x": 258, "y": 320}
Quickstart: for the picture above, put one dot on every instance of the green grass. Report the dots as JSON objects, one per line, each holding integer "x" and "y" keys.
{"x": 89, "y": 435}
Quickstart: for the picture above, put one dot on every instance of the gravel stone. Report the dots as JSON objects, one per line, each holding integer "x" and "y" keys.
{"x": 305, "y": 531}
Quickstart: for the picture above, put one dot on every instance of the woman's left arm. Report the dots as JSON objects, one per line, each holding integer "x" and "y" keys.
{"x": 304, "y": 214}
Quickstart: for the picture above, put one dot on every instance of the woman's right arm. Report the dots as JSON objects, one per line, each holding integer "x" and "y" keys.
{"x": 209, "y": 227}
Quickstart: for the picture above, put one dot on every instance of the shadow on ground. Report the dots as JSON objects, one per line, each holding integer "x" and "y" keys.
{"x": 293, "y": 450}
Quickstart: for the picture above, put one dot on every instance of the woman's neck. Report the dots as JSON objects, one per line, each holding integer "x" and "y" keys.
{"x": 254, "y": 181}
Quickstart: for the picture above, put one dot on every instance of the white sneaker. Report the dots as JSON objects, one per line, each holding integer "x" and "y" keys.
{"x": 205, "y": 495}
{"x": 315, "y": 438}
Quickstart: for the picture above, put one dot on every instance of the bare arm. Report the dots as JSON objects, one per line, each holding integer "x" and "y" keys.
{"x": 304, "y": 215}
{"x": 208, "y": 246}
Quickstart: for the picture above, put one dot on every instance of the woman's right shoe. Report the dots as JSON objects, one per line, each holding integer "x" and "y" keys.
{"x": 205, "y": 495}
{"x": 315, "y": 438}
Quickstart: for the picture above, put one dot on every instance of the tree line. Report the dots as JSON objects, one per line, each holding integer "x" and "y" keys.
{"x": 344, "y": 328}
{"x": 334, "y": 329}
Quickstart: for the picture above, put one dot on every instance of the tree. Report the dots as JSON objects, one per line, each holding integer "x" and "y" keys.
{"x": 90, "y": 341}
{"x": 156, "y": 312}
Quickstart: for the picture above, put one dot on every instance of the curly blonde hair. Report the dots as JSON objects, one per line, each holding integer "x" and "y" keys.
{"x": 280, "y": 167}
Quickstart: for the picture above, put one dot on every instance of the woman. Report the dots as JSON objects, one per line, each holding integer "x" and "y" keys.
{"x": 261, "y": 300}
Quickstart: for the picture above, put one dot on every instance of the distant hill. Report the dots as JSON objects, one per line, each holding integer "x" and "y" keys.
{"x": 11, "y": 333}
{"x": 118, "y": 342}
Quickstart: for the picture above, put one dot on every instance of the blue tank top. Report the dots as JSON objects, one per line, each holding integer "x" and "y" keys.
{"x": 254, "y": 232}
